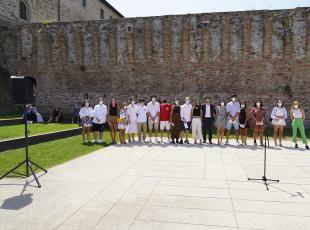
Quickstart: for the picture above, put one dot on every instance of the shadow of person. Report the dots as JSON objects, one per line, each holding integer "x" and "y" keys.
{"x": 17, "y": 202}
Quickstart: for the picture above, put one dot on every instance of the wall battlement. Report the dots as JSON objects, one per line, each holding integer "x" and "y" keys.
{"x": 263, "y": 54}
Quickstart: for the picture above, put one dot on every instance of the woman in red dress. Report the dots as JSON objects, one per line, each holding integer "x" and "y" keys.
{"x": 258, "y": 121}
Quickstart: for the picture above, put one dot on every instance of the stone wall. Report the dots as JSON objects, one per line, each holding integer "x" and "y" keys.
{"x": 256, "y": 54}
{"x": 41, "y": 10}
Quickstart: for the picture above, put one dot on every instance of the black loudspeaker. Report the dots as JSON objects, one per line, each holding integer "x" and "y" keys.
{"x": 23, "y": 89}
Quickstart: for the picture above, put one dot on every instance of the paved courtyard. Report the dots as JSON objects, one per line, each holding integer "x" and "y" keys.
{"x": 165, "y": 187}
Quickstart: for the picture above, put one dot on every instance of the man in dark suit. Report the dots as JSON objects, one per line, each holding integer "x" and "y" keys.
{"x": 208, "y": 116}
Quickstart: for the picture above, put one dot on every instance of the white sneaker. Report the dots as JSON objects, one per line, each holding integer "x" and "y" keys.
{"x": 100, "y": 141}
{"x": 94, "y": 141}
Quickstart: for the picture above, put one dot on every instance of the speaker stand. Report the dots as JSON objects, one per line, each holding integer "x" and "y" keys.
{"x": 28, "y": 163}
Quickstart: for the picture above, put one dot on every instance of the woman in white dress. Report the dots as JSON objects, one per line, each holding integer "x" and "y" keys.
{"x": 278, "y": 116}
{"x": 86, "y": 115}
{"x": 132, "y": 127}
{"x": 122, "y": 122}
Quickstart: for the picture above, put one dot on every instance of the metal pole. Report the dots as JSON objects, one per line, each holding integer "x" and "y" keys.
{"x": 26, "y": 141}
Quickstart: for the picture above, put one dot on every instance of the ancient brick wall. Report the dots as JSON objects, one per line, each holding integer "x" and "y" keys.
{"x": 41, "y": 10}
{"x": 256, "y": 54}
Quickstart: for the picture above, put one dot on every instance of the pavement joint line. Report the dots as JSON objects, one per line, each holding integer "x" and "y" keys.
{"x": 144, "y": 205}
{"x": 186, "y": 223}
{"x": 302, "y": 186}
{"x": 188, "y": 186}
{"x": 205, "y": 166}
{"x": 105, "y": 187}
{"x": 232, "y": 203}
{"x": 274, "y": 192}
{"x": 127, "y": 190}
{"x": 190, "y": 178}
{"x": 165, "y": 170}
{"x": 226, "y": 210}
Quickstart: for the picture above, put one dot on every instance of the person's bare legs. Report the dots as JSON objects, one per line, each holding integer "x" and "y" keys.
{"x": 237, "y": 134}
{"x": 161, "y": 134}
{"x": 227, "y": 135}
{"x": 150, "y": 131}
{"x": 113, "y": 132}
{"x": 83, "y": 134}
{"x": 182, "y": 135}
{"x": 96, "y": 136}
{"x": 186, "y": 134}
{"x": 88, "y": 133}
{"x": 144, "y": 134}
{"x": 156, "y": 133}
{"x": 275, "y": 133}
{"x": 245, "y": 135}
{"x": 261, "y": 134}
{"x": 122, "y": 136}
{"x": 57, "y": 118}
{"x": 281, "y": 134}
{"x": 255, "y": 135}
{"x": 111, "y": 129}
{"x": 222, "y": 133}
{"x": 133, "y": 137}
{"x": 101, "y": 136}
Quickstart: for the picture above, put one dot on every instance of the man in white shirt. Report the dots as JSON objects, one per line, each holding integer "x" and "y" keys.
{"x": 142, "y": 119}
{"x": 99, "y": 120}
{"x": 233, "y": 111}
{"x": 186, "y": 119}
{"x": 153, "y": 111}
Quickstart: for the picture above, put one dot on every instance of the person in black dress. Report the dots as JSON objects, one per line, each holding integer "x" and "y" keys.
{"x": 243, "y": 122}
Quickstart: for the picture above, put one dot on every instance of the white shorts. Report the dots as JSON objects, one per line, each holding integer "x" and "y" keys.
{"x": 164, "y": 124}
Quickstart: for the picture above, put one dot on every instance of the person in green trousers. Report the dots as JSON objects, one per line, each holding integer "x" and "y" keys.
{"x": 298, "y": 116}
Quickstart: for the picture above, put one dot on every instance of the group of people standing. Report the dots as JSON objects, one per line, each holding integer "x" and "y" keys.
{"x": 178, "y": 120}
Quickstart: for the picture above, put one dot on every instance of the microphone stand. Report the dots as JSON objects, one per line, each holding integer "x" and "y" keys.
{"x": 264, "y": 178}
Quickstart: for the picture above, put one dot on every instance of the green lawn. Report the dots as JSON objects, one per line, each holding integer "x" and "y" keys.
{"x": 50, "y": 154}
{"x": 14, "y": 131}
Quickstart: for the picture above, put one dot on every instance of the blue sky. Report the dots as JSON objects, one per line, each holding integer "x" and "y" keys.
{"x": 137, "y": 8}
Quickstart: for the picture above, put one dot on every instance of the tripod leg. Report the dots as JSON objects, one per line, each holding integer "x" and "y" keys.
{"x": 38, "y": 166}
{"x": 266, "y": 185}
{"x": 34, "y": 175}
{"x": 13, "y": 169}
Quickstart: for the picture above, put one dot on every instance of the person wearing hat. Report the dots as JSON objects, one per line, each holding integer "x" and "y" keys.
{"x": 233, "y": 110}
{"x": 186, "y": 118}
{"x": 208, "y": 115}
{"x": 153, "y": 112}
{"x": 298, "y": 116}
{"x": 142, "y": 120}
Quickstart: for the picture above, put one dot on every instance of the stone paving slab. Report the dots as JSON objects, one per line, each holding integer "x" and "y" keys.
{"x": 164, "y": 187}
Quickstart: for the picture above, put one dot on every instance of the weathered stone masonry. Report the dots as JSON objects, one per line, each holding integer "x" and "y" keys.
{"x": 263, "y": 54}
